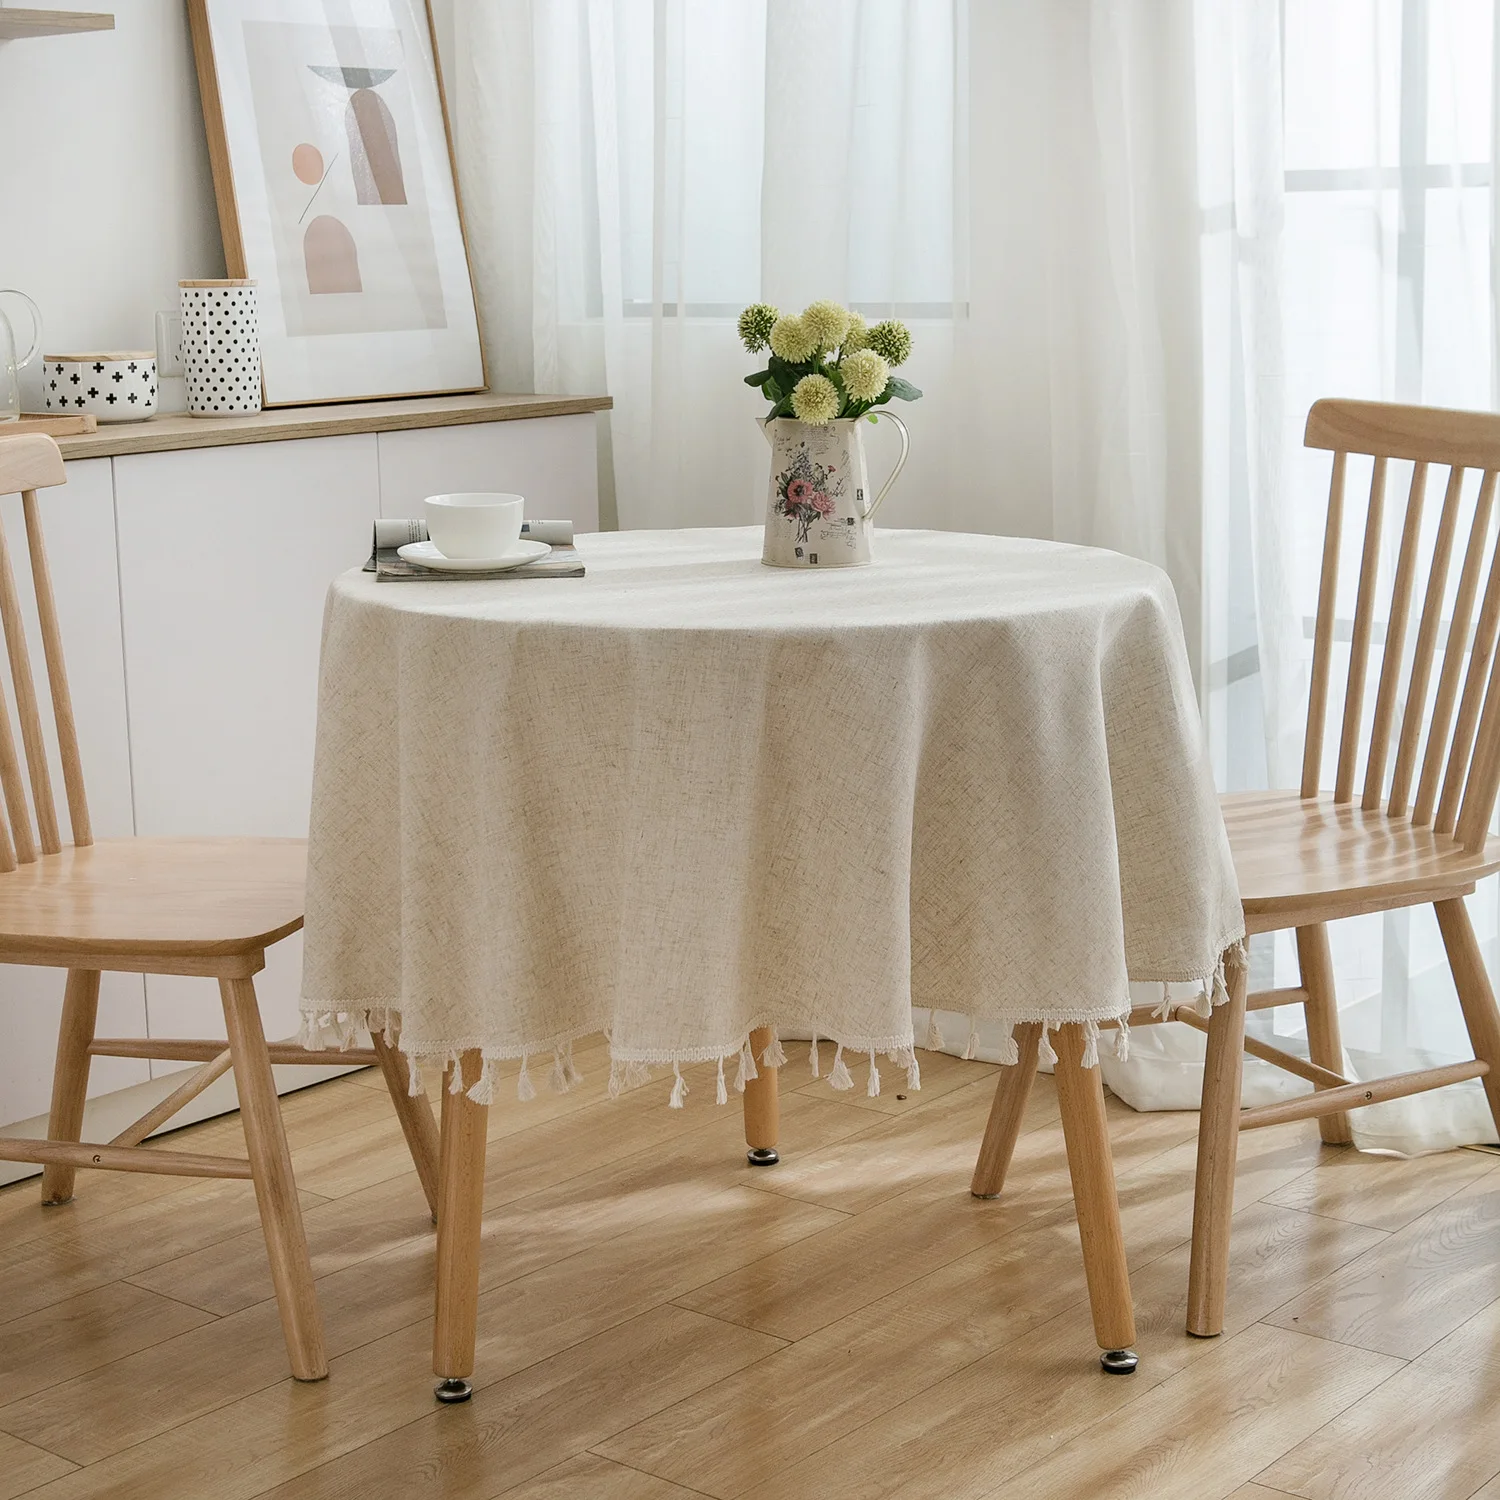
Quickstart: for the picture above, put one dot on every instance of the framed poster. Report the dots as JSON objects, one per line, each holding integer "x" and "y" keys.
{"x": 328, "y": 135}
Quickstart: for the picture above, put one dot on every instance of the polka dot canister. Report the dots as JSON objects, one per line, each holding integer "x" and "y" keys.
{"x": 220, "y": 347}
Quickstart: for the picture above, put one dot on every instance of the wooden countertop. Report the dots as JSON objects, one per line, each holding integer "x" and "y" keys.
{"x": 178, "y": 430}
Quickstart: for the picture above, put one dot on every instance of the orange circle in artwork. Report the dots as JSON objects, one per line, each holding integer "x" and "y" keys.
{"x": 307, "y": 163}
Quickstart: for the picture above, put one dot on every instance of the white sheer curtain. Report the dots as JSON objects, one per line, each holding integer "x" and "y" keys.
{"x": 1134, "y": 238}
{"x": 1348, "y": 188}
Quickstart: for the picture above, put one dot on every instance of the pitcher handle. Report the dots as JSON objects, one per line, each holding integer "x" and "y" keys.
{"x": 885, "y": 489}
{"x": 35, "y": 314}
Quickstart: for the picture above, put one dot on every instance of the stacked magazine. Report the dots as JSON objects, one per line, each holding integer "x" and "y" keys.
{"x": 562, "y": 562}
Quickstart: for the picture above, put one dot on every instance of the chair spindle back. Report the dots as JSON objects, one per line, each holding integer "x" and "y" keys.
{"x": 29, "y": 462}
{"x": 1450, "y": 777}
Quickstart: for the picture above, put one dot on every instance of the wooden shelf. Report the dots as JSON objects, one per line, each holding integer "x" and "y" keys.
{"x": 163, "y": 434}
{"x": 16, "y": 23}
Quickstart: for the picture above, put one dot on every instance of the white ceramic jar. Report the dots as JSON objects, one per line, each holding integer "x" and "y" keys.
{"x": 119, "y": 386}
{"x": 220, "y": 347}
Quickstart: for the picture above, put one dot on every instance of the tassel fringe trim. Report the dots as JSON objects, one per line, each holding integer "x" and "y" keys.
{"x": 329, "y": 1030}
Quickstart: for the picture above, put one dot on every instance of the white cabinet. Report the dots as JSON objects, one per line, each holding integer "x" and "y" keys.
{"x": 550, "y": 460}
{"x": 225, "y": 557}
{"x": 190, "y": 585}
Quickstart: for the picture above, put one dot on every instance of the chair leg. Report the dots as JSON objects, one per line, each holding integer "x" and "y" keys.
{"x": 1324, "y": 1044}
{"x": 1218, "y": 1147}
{"x": 414, "y": 1111}
{"x": 1012, "y": 1090}
{"x": 460, "y": 1218}
{"x": 70, "y": 1076}
{"x": 275, "y": 1187}
{"x": 1080, "y": 1097}
{"x": 1475, "y": 996}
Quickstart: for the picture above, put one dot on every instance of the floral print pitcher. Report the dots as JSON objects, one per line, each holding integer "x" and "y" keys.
{"x": 818, "y": 513}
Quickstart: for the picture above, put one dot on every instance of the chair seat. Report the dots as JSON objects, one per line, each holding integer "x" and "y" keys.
{"x": 1297, "y": 856}
{"x": 154, "y": 897}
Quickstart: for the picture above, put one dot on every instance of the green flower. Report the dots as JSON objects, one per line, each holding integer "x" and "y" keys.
{"x": 827, "y": 322}
{"x": 891, "y": 341}
{"x": 756, "y": 323}
{"x": 865, "y": 375}
{"x": 792, "y": 340}
{"x": 815, "y": 400}
{"x": 858, "y": 335}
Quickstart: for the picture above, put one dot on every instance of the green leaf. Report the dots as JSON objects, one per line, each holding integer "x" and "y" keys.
{"x": 759, "y": 378}
{"x": 772, "y": 390}
{"x": 903, "y": 390}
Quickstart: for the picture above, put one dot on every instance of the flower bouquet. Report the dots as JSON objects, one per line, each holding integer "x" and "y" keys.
{"x": 825, "y": 363}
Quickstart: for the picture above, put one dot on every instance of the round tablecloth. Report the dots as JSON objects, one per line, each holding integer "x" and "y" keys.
{"x": 688, "y": 796}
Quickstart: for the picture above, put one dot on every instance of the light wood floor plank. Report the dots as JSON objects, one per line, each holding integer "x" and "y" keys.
{"x": 1428, "y": 1433}
{"x": 23, "y": 1468}
{"x": 1203, "y": 1433}
{"x": 1418, "y": 1286}
{"x": 533, "y": 1420}
{"x": 589, "y": 1477}
{"x": 999, "y": 1406}
{"x": 67, "y": 1339}
{"x": 1384, "y": 1192}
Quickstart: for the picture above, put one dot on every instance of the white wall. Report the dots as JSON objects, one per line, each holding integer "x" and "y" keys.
{"x": 105, "y": 193}
{"x": 106, "y": 199}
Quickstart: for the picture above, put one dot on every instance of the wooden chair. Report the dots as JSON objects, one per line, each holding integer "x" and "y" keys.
{"x": 1393, "y": 834}
{"x": 208, "y": 907}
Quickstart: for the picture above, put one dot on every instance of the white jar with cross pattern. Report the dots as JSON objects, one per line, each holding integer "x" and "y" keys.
{"x": 220, "y": 347}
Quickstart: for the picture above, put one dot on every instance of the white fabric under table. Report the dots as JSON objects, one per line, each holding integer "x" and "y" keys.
{"x": 688, "y": 795}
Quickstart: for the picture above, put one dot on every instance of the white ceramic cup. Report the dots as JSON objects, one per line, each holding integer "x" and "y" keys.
{"x": 476, "y": 524}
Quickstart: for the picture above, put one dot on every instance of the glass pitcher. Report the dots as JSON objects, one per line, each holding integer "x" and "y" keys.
{"x": 11, "y": 364}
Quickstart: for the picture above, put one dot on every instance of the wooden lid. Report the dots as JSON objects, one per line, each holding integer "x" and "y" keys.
{"x": 217, "y": 283}
{"x": 117, "y": 354}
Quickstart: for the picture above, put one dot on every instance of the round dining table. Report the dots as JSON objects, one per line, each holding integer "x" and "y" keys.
{"x": 704, "y": 806}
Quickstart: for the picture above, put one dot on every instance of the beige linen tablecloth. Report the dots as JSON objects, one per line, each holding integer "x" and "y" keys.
{"x": 688, "y": 796}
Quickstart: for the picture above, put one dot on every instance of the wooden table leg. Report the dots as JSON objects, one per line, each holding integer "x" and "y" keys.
{"x": 460, "y": 1208}
{"x": 1012, "y": 1090}
{"x": 762, "y": 1112}
{"x": 1080, "y": 1097}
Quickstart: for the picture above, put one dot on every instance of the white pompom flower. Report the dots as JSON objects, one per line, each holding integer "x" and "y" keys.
{"x": 792, "y": 340}
{"x": 815, "y": 400}
{"x": 865, "y": 375}
{"x": 827, "y": 322}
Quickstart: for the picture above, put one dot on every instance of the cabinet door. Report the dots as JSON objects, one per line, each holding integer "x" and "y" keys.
{"x": 225, "y": 559}
{"x": 78, "y": 521}
{"x": 552, "y": 461}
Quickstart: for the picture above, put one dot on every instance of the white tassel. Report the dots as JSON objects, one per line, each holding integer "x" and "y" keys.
{"x": 838, "y": 1074}
{"x": 1122, "y": 1040}
{"x": 525, "y": 1089}
{"x": 812, "y": 1056}
{"x": 773, "y": 1056}
{"x": 455, "y": 1070}
{"x": 872, "y": 1089}
{"x": 483, "y": 1091}
{"x": 1163, "y": 1011}
{"x": 721, "y": 1093}
{"x": 908, "y": 1059}
{"x": 971, "y": 1048}
{"x": 616, "y": 1070}
{"x": 934, "y": 1038}
{"x": 1091, "y": 1044}
{"x": 679, "y": 1087}
{"x": 413, "y": 1078}
{"x": 557, "y": 1080}
{"x": 747, "y": 1071}
{"x": 1044, "y": 1048}
{"x": 571, "y": 1075}
{"x": 1010, "y": 1053}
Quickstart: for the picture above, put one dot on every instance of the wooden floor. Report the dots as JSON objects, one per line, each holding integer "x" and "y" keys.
{"x": 660, "y": 1321}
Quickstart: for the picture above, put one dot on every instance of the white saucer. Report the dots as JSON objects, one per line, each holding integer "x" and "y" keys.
{"x": 517, "y": 553}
